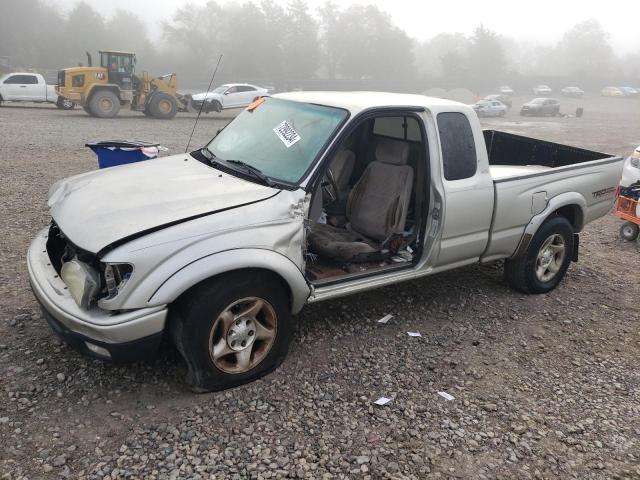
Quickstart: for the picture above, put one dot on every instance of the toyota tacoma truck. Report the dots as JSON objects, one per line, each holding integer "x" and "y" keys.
{"x": 30, "y": 87}
{"x": 305, "y": 196}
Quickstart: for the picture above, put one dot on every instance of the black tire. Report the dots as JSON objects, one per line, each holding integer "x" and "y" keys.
{"x": 196, "y": 320}
{"x": 104, "y": 104}
{"x": 88, "y": 110}
{"x": 629, "y": 231}
{"x": 162, "y": 106}
{"x": 520, "y": 272}
{"x": 65, "y": 104}
{"x": 214, "y": 106}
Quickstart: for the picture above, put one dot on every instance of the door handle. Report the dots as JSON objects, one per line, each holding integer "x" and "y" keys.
{"x": 23, "y": 86}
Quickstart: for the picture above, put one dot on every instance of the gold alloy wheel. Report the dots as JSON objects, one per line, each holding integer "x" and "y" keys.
{"x": 165, "y": 106}
{"x": 242, "y": 335}
{"x": 550, "y": 257}
{"x": 106, "y": 104}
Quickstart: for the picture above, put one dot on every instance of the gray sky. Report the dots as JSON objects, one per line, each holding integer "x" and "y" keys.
{"x": 542, "y": 21}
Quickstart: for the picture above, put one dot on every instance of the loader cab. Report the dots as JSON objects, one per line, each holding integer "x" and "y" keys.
{"x": 120, "y": 67}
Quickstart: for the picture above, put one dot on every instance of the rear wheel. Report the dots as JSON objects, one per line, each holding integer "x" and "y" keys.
{"x": 629, "y": 231}
{"x": 232, "y": 330}
{"x": 162, "y": 106}
{"x": 541, "y": 268}
{"x": 104, "y": 104}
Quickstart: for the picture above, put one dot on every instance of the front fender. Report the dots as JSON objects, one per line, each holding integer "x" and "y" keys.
{"x": 235, "y": 259}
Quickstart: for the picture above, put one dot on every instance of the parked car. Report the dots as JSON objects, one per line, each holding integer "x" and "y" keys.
{"x": 629, "y": 91}
{"x": 30, "y": 87}
{"x": 217, "y": 248}
{"x": 574, "y": 92}
{"x": 490, "y": 108}
{"x": 505, "y": 90}
{"x": 542, "y": 90}
{"x": 230, "y": 95}
{"x": 540, "y": 107}
{"x": 612, "y": 92}
{"x": 501, "y": 98}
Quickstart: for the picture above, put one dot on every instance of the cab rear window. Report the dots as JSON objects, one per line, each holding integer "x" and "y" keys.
{"x": 458, "y": 146}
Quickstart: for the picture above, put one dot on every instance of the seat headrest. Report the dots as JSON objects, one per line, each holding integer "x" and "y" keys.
{"x": 393, "y": 152}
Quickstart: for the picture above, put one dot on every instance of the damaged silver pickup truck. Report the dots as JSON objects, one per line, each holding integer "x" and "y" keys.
{"x": 305, "y": 196}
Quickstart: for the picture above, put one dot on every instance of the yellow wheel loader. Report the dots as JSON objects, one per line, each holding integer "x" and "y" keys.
{"x": 101, "y": 91}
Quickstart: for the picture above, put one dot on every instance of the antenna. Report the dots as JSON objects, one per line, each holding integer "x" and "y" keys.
{"x": 215, "y": 70}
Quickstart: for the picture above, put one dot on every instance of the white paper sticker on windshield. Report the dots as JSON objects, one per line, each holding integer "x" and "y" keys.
{"x": 287, "y": 134}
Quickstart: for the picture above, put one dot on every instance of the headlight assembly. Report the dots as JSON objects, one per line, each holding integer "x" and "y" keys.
{"x": 82, "y": 281}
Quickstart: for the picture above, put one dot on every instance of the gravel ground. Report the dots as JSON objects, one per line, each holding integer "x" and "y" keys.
{"x": 545, "y": 386}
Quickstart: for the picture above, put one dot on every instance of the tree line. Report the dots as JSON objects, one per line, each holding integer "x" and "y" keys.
{"x": 295, "y": 46}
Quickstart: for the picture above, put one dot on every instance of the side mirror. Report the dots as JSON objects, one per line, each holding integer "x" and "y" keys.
{"x": 226, "y": 93}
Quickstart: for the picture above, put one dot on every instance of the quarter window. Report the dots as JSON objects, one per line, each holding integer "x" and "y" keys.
{"x": 402, "y": 128}
{"x": 457, "y": 142}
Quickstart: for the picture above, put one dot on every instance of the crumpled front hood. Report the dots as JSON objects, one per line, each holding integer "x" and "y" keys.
{"x": 209, "y": 96}
{"x": 98, "y": 208}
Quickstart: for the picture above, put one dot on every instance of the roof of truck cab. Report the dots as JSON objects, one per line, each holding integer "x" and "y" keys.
{"x": 358, "y": 101}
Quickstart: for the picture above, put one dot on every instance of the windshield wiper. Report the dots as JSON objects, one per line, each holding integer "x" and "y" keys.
{"x": 256, "y": 172}
{"x": 208, "y": 154}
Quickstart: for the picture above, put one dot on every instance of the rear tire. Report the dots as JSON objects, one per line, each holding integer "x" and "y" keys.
{"x": 211, "y": 323}
{"x": 162, "y": 106}
{"x": 541, "y": 268}
{"x": 104, "y": 104}
{"x": 629, "y": 231}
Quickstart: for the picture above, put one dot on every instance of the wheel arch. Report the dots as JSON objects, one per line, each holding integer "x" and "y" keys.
{"x": 221, "y": 263}
{"x": 96, "y": 88}
{"x": 570, "y": 205}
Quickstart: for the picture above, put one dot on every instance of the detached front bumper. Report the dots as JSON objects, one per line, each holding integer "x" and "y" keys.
{"x": 126, "y": 336}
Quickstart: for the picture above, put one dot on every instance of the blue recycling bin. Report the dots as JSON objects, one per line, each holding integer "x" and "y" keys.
{"x": 121, "y": 152}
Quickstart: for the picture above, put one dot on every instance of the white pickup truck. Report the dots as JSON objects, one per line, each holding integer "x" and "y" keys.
{"x": 303, "y": 197}
{"x": 30, "y": 87}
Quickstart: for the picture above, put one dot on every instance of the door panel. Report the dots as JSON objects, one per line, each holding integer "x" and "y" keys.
{"x": 13, "y": 87}
{"x": 33, "y": 90}
{"x": 468, "y": 188}
{"x": 231, "y": 98}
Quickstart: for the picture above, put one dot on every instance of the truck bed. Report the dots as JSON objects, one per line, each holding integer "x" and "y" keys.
{"x": 529, "y": 173}
{"x": 513, "y": 156}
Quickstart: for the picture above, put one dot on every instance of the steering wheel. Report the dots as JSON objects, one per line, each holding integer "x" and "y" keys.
{"x": 330, "y": 186}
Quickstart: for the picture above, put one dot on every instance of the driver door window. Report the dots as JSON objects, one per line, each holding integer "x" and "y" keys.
{"x": 231, "y": 97}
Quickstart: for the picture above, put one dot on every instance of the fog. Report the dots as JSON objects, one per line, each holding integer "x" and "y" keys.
{"x": 397, "y": 46}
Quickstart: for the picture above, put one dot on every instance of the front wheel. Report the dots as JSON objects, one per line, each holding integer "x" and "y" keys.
{"x": 541, "y": 268}
{"x": 65, "y": 104}
{"x": 163, "y": 106}
{"x": 232, "y": 329}
{"x": 104, "y": 104}
{"x": 629, "y": 231}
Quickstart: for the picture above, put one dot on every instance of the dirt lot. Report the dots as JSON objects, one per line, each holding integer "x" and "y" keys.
{"x": 545, "y": 386}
